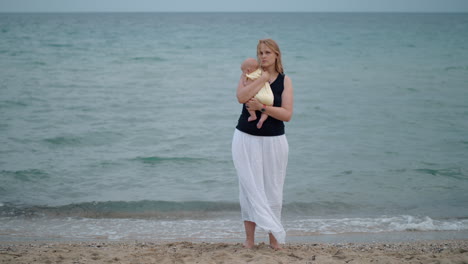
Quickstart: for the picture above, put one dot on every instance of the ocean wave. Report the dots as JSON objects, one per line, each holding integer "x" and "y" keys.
{"x": 168, "y": 209}
{"x": 377, "y": 224}
{"x": 456, "y": 68}
{"x": 164, "y": 209}
{"x": 64, "y": 140}
{"x": 59, "y": 45}
{"x": 157, "y": 159}
{"x": 11, "y": 104}
{"x": 456, "y": 173}
{"x": 122, "y": 209}
{"x": 150, "y": 59}
{"x": 320, "y": 208}
{"x": 38, "y": 63}
{"x": 87, "y": 139}
{"x": 29, "y": 175}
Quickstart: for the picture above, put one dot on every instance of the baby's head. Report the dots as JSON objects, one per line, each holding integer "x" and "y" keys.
{"x": 249, "y": 65}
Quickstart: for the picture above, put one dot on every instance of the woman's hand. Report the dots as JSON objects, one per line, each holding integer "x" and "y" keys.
{"x": 266, "y": 75}
{"x": 253, "y": 105}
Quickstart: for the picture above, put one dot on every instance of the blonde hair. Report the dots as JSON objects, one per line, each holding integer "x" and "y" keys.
{"x": 275, "y": 48}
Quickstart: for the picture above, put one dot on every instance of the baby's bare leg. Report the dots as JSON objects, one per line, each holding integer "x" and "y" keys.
{"x": 263, "y": 117}
{"x": 252, "y": 116}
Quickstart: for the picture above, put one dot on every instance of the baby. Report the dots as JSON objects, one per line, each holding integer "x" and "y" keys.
{"x": 251, "y": 71}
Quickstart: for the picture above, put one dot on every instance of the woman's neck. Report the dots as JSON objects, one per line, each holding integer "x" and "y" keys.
{"x": 271, "y": 70}
{"x": 273, "y": 74}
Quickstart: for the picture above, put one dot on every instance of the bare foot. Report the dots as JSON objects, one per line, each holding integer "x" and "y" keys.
{"x": 259, "y": 124}
{"x": 276, "y": 247}
{"x": 252, "y": 118}
{"x": 274, "y": 243}
{"x": 248, "y": 245}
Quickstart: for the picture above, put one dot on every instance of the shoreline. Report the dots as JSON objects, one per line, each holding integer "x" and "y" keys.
{"x": 446, "y": 251}
{"x": 261, "y": 236}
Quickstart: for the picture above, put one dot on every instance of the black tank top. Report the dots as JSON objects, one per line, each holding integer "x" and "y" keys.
{"x": 271, "y": 126}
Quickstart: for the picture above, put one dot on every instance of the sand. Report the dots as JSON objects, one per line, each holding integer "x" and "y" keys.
{"x": 451, "y": 251}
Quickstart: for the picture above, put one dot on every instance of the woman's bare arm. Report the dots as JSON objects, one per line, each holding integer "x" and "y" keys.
{"x": 245, "y": 92}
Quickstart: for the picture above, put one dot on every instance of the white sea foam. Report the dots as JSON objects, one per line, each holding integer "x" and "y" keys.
{"x": 149, "y": 229}
{"x": 376, "y": 225}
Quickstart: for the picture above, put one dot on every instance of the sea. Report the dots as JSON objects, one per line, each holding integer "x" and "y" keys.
{"x": 118, "y": 126}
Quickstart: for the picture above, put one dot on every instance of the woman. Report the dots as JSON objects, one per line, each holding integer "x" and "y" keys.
{"x": 261, "y": 155}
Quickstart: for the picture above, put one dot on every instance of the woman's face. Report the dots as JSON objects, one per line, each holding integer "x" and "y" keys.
{"x": 267, "y": 56}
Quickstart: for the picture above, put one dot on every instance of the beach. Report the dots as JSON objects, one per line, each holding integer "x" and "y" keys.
{"x": 449, "y": 251}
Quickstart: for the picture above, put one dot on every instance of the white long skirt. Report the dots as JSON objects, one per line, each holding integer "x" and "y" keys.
{"x": 261, "y": 164}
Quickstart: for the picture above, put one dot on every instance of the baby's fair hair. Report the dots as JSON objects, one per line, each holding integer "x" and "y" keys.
{"x": 249, "y": 64}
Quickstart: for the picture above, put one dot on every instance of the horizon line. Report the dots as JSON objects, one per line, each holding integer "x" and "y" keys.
{"x": 148, "y": 12}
